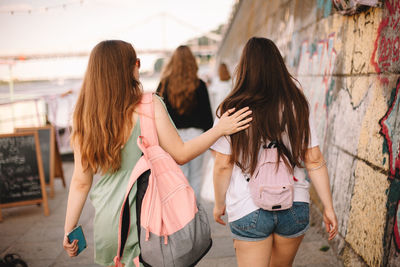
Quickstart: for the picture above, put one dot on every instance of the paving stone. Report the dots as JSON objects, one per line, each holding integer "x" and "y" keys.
{"x": 38, "y": 239}
{"x": 222, "y": 247}
{"x": 43, "y": 232}
{"x": 220, "y": 262}
{"x": 38, "y": 263}
{"x": 35, "y": 250}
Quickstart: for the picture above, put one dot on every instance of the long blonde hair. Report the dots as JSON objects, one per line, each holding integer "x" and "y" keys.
{"x": 107, "y": 100}
{"x": 179, "y": 79}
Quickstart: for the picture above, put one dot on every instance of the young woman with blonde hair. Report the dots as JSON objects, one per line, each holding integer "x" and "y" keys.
{"x": 105, "y": 130}
{"x": 281, "y": 116}
{"x": 187, "y": 101}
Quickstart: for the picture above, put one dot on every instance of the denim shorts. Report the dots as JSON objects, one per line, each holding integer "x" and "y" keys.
{"x": 260, "y": 224}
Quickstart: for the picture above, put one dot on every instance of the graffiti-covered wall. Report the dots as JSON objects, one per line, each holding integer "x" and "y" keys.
{"x": 348, "y": 63}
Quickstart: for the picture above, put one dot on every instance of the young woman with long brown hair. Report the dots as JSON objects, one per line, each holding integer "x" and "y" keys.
{"x": 281, "y": 114}
{"x": 187, "y": 101}
{"x": 105, "y": 130}
{"x": 220, "y": 87}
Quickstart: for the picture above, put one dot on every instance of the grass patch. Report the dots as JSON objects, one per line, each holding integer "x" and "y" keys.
{"x": 324, "y": 248}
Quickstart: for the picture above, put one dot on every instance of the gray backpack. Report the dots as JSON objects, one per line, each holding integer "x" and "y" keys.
{"x": 173, "y": 228}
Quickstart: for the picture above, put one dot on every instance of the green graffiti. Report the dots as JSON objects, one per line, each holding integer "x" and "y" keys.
{"x": 393, "y": 197}
{"x": 385, "y": 147}
{"x": 313, "y": 48}
{"x": 392, "y": 96}
{"x": 329, "y": 94}
{"x": 326, "y": 6}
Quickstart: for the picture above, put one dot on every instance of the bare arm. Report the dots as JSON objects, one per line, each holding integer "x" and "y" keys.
{"x": 79, "y": 188}
{"x": 183, "y": 152}
{"x": 318, "y": 173}
{"x": 222, "y": 177}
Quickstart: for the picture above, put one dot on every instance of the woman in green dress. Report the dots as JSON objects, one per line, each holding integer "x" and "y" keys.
{"x": 105, "y": 130}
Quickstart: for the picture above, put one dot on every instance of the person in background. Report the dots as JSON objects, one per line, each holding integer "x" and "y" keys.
{"x": 220, "y": 87}
{"x": 281, "y": 114}
{"x": 188, "y": 104}
{"x": 104, "y": 139}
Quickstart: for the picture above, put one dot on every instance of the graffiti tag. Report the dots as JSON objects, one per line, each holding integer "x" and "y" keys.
{"x": 390, "y": 128}
{"x": 386, "y": 54}
{"x": 317, "y": 60}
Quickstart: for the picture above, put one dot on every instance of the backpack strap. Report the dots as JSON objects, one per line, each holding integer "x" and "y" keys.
{"x": 148, "y": 137}
{"x": 124, "y": 218}
{"x": 147, "y": 120}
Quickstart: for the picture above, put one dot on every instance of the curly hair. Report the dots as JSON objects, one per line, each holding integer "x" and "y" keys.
{"x": 179, "y": 80}
{"x": 107, "y": 100}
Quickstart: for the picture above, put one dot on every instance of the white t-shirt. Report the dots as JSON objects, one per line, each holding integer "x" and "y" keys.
{"x": 238, "y": 199}
{"x": 218, "y": 91}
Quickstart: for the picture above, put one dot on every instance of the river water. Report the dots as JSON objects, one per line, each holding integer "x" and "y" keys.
{"x": 34, "y": 102}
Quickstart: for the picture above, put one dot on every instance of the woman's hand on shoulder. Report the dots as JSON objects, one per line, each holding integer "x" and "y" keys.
{"x": 230, "y": 123}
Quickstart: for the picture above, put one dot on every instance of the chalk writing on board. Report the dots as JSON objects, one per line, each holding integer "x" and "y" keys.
{"x": 19, "y": 174}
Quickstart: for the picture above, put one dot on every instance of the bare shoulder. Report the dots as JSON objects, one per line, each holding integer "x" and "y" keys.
{"x": 159, "y": 107}
{"x": 157, "y": 100}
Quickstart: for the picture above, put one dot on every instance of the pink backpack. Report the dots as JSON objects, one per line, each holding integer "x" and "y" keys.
{"x": 173, "y": 228}
{"x": 271, "y": 186}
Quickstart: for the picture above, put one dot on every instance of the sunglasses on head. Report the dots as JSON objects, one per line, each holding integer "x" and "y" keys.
{"x": 137, "y": 63}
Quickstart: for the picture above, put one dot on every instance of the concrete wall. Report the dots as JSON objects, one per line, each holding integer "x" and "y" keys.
{"x": 349, "y": 68}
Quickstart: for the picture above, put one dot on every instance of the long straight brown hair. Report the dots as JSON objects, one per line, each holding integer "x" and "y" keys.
{"x": 279, "y": 107}
{"x": 179, "y": 79}
{"x": 107, "y": 100}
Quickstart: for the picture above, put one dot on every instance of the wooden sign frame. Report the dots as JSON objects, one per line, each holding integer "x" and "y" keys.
{"x": 42, "y": 200}
{"x": 52, "y": 151}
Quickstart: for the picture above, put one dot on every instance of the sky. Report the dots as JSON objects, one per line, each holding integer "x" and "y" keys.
{"x": 70, "y": 26}
{"x": 81, "y": 24}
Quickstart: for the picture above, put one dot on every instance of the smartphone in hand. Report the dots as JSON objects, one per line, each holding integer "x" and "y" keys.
{"x": 77, "y": 234}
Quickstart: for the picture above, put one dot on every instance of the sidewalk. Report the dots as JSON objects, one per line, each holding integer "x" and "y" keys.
{"x": 38, "y": 239}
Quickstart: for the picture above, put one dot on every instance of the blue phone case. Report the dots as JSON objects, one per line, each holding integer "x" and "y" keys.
{"x": 77, "y": 234}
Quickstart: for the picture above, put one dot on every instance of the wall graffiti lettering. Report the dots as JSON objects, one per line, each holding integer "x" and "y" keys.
{"x": 386, "y": 53}
{"x": 317, "y": 60}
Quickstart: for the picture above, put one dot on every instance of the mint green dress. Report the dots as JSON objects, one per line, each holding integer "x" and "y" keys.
{"x": 107, "y": 197}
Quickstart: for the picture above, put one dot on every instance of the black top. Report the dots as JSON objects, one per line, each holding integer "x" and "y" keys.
{"x": 199, "y": 116}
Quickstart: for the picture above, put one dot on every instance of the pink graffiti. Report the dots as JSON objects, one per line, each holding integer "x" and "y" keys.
{"x": 387, "y": 44}
{"x": 320, "y": 62}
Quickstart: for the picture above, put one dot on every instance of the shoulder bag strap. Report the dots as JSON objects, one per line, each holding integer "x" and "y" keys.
{"x": 147, "y": 121}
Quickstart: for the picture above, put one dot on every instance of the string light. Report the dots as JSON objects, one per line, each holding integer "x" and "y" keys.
{"x": 44, "y": 8}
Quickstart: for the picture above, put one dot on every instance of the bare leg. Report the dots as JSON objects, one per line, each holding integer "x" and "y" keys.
{"x": 284, "y": 250}
{"x": 253, "y": 253}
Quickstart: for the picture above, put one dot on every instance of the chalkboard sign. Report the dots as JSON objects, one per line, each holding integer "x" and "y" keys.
{"x": 46, "y": 141}
{"x": 21, "y": 171}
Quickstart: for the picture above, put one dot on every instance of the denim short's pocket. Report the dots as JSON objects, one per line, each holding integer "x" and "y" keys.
{"x": 300, "y": 212}
{"x": 247, "y": 222}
